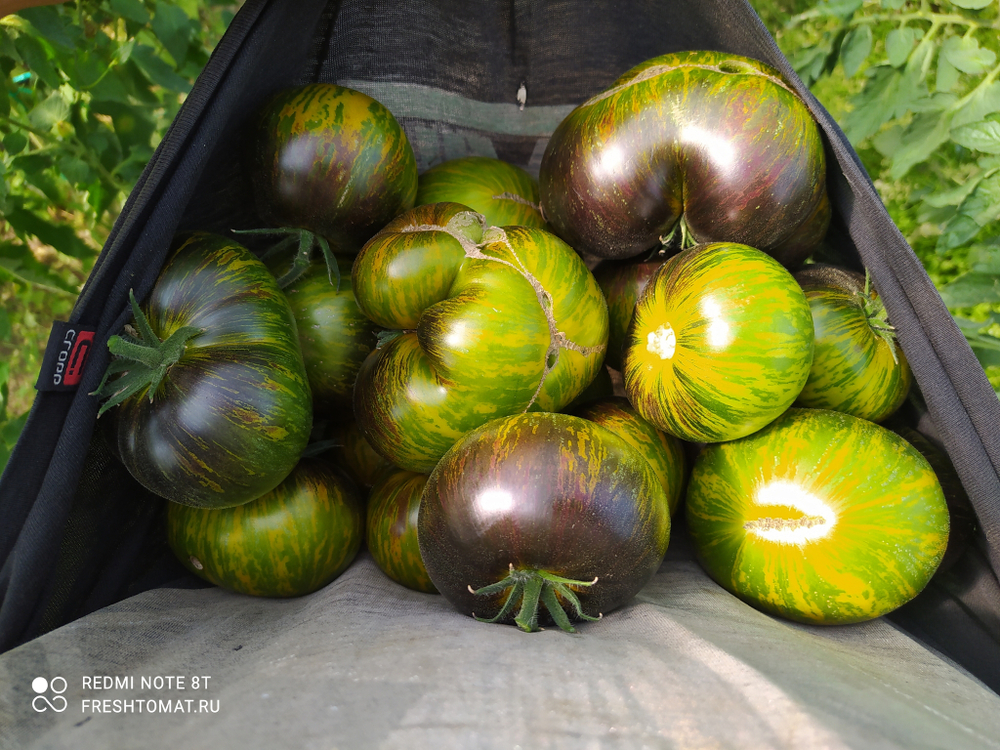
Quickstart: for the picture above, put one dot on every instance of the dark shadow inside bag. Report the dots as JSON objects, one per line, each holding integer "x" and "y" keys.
{"x": 79, "y": 533}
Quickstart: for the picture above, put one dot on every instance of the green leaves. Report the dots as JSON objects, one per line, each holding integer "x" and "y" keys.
{"x": 971, "y": 4}
{"x": 855, "y": 49}
{"x": 965, "y": 54}
{"x": 979, "y": 136}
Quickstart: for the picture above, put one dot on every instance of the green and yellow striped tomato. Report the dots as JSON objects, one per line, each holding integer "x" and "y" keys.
{"x": 289, "y": 542}
{"x": 334, "y": 335}
{"x": 665, "y": 453}
{"x": 721, "y": 343}
{"x": 718, "y": 142}
{"x": 490, "y": 324}
{"x": 391, "y": 528}
{"x": 503, "y": 193}
{"x": 820, "y": 517}
{"x": 355, "y": 455}
{"x": 858, "y": 368}
{"x": 331, "y": 160}
{"x": 536, "y": 495}
{"x": 230, "y": 418}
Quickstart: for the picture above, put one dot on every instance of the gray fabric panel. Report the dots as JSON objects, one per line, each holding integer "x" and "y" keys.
{"x": 365, "y": 663}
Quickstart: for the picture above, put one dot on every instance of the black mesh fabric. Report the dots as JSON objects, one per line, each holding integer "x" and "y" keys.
{"x": 77, "y": 533}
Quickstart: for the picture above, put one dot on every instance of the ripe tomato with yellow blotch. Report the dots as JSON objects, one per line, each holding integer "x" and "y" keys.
{"x": 720, "y": 343}
{"x": 820, "y": 517}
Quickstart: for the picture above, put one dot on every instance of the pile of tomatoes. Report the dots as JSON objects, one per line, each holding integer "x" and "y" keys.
{"x": 507, "y": 388}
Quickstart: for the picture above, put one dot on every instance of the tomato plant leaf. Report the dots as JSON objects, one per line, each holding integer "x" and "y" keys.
{"x": 158, "y": 70}
{"x": 134, "y": 10}
{"x": 49, "y": 24}
{"x": 61, "y": 237}
{"x": 52, "y": 109}
{"x": 980, "y": 136}
{"x": 874, "y": 105}
{"x": 966, "y": 55}
{"x": 924, "y": 135}
{"x": 173, "y": 28}
{"x": 971, "y": 4}
{"x": 899, "y": 44}
{"x": 38, "y": 59}
{"x": 15, "y": 142}
{"x": 947, "y": 74}
{"x": 855, "y": 49}
{"x": 972, "y": 288}
{"x": 893, "y": 4}
{"x": 984, "y": 100}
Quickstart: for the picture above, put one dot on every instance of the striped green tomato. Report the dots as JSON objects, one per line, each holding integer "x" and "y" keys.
{"x": 391, "y": 528}
{"x": 503, "y": 193}
{"x": 231, "y": 416}
{"x": 665, "y": 453}
{"x": 289, "y": 542}
{"x": 819, "y": 517}
{"x": 717, "y": 142}
{"x": 858, "y": 368}
{"x": 331, "y": 160}
{"x": 721, "y": 343}
{"x": 334, "y": 335}
{"x": 490, "y": 323}
{"x": 356, "y": 456}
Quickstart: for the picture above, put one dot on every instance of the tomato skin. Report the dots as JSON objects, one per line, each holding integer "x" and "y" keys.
{"x": 854, "y": 369}
{"x": 622, "y": 283}
{"x": 289, "y": 542}
{"x": 721, "y": 343}
{"x": 488, "y": 328}
{"x": 355, "y": 456}
{"x": 664, "y": 452}
{"x": 331, "y": 160}
{"x": 719, "y": 139}
{"x": 819, "y": 517}
{"x": 391, "y": 528}
{"x": 543, "y": 491}
{"x": 334, "y": 335}
{"x": 503, "y": 193}
{"x": 232, "y": 416}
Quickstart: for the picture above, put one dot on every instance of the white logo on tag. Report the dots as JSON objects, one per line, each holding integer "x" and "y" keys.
{"x": 41, "y": 702}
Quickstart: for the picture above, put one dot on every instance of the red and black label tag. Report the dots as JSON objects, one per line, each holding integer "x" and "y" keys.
{"x": 65, "y": 357}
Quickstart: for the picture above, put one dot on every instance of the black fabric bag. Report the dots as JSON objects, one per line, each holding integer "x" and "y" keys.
{"x": 77, "y": 533}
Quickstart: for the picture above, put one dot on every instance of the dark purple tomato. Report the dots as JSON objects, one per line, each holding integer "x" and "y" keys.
{"x": 542, "y": 508}
{"x": 391, "y": 528}
{"x": 232, "y": 410}
{"x": 331, "y": 160}
{"x": 715, "y": 146}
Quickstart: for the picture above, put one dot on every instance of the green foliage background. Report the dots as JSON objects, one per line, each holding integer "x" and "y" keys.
{"x": 90, "y": 87}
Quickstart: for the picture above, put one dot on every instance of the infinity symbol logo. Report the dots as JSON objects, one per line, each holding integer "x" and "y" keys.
{"x": 41, "y": 685}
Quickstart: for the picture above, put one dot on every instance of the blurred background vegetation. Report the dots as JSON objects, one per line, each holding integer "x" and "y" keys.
{"x": 91, "y": 86}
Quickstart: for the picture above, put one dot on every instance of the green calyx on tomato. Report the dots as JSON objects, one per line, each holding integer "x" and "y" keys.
{"x": 275, "y": 257}
{"x": 858, "y": 367}
{"x": 493, "y": 323}
{"x": 720, "y": 344}
{"x": 141, "y": 361}
{"x": 529, "y": 588}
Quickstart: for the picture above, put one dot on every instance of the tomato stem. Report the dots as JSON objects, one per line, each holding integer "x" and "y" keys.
{"x": 140, "y": 362}
{"x": 308, "y": 242}
{"x": 529, "y": 588}
{"x": 878, "y": 317}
